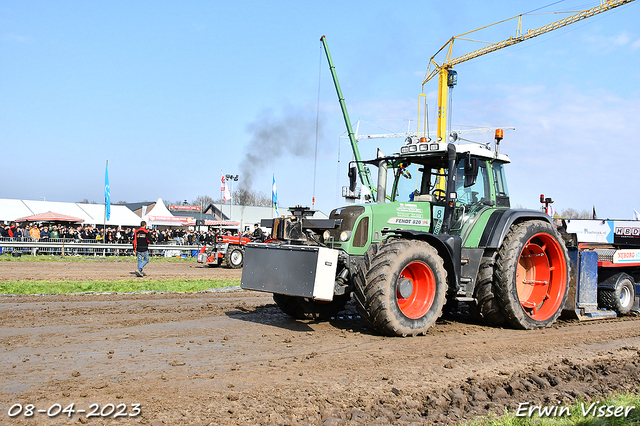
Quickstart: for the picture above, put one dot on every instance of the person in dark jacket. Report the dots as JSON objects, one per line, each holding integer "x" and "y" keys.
{"x": 257, "y": 235}
{"x": 141, "y": 247}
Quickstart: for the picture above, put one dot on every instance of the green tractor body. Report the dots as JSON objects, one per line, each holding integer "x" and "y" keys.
{"x": 441, "y": 231}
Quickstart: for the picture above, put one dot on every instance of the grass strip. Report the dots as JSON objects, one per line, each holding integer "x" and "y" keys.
{"x": 120, "y": 286}
{"x": 598, "y": 412}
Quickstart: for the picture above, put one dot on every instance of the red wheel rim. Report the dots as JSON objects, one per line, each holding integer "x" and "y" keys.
{"x": 423, "y": 291}
{"x": 541, "y": 277}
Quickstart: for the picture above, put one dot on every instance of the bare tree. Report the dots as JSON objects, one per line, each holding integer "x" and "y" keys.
{"x": 246, "y": 197}
{"x": 202, "y": 201}
{"x": 168, "y": 203}
{"x": 241, "y": 197}
{"x": 571, "y": 213}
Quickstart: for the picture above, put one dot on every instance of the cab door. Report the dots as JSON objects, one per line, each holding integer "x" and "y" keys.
{"x": 474, "y": 195}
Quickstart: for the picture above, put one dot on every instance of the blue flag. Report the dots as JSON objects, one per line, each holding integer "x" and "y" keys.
{"x": 107, "y": 193}
{"x": 274, "y": 195}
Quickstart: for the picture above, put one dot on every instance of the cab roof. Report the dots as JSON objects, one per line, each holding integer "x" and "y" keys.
{"x": 435, "y": 149}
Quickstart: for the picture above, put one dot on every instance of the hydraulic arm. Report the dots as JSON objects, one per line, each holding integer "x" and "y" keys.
{"x": 363, "y": 172}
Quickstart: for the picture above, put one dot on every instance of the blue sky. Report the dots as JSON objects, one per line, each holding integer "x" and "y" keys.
{"x": 172, "y": 93}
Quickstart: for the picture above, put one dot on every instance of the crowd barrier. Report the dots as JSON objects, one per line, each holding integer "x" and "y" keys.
{"x": 72, "y": 247}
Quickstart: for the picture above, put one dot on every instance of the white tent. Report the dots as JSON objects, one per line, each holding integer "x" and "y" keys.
{"x": 120, "y": 215}
{"x": 13, "y": 209}
{"x": 92, "y": 214}
{"x": 160, "y": 215}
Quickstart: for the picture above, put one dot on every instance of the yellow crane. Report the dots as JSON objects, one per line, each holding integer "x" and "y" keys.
{"x": 447, "y": 76}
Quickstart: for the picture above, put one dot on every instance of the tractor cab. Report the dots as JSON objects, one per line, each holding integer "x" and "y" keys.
{"x": 459, "y": 181}
{"x": 480, "y": 185}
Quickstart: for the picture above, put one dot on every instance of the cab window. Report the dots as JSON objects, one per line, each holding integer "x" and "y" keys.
{"x": 407, "y": 178}
{"x": 479, "y": 192}
{"x": 499, "y": 180}
{"x": 500, "y": 184}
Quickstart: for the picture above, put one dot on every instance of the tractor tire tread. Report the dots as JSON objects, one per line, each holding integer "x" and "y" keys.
{"x": 507, "y": 258}
{"x": 487, "y": 307}
{"x": 372, "y": 288}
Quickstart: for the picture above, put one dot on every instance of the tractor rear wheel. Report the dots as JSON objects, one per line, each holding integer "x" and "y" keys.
{"x": 620, "y": 298}
{"x": 303, "y": 308}
{"x": 531, "y": 276}
{"x": 234, "y": 257}
{"x": 401, "y": 287}
{"x": 486, "y": 306}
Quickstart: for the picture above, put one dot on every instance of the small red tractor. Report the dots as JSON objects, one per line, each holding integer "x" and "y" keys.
{"x": 227, "y": 247}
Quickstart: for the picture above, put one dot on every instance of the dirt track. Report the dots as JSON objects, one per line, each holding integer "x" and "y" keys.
{"x": 233, "y": 358}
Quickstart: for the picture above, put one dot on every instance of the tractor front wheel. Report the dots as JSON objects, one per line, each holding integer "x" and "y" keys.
{"x": 531, "y": 275}
{"x": 235, "y": 257}
{"x": 401, "y": 287}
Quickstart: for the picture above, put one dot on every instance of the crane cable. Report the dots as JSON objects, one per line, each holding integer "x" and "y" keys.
{"x": 543, "y": 7}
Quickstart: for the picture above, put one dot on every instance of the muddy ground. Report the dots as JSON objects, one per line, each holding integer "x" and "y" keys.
{"x": 231, "y": 357}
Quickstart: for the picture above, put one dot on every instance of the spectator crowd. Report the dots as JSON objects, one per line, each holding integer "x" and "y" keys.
{"x": 120, "y": 235}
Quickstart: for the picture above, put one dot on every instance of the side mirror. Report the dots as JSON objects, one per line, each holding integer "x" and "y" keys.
{"x": 352, "y": 177}
{"x": 470, "y": 172}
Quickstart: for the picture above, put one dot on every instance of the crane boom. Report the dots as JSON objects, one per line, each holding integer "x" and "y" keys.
{"x": 363, "y": 171}
{"x": 443, "y": 70}
{"x": 539, "y": 31}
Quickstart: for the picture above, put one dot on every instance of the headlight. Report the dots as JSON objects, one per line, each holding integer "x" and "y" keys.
{"x": 345, "y": 235}
{"x": 326, "y": 235}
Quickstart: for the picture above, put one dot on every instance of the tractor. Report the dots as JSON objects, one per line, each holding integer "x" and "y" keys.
{"x": 443, "y": 232}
